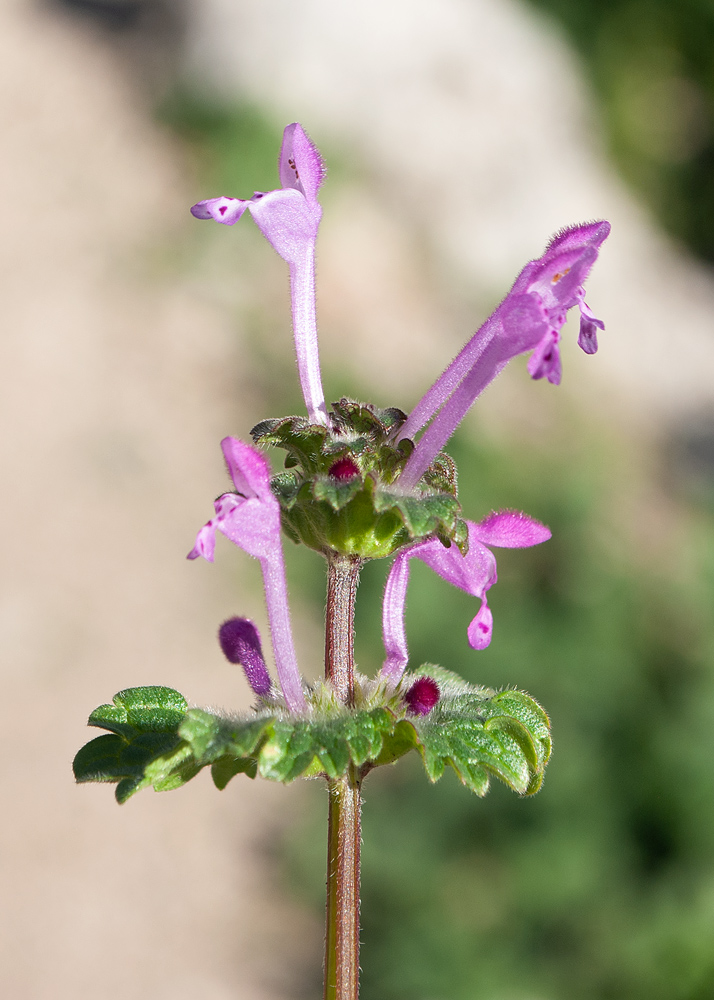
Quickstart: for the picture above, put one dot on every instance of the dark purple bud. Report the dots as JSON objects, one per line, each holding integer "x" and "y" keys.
{"x": 240, "y": 642}
{"x": 422, "y": 696}
{"x": 343, "y": 469}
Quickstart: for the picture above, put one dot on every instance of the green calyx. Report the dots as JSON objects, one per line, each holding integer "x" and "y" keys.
{"x": 340, "y": 490}
{"x": 155, "y": 740}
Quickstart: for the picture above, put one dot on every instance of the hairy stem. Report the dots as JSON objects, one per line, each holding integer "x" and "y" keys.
{"x": 342, "y": 580}
{"x": 342, "y": 917}
{"x": 343, "y": 838}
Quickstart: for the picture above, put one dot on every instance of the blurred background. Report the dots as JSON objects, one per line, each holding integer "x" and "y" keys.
{"x": 459, "y": 135}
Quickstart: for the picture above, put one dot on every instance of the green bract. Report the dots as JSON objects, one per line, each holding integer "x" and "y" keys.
{"x": 363, "y": 513}
{"x": 155, "y": 739}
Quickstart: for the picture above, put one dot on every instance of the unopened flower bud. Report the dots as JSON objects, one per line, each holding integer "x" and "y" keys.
{"x": 422, "y": 696}
{"x": 344, "y": 468}
{"x": 240, "y": 642}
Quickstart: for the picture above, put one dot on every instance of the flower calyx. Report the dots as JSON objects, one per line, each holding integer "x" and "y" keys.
{"x": 340, "y": 492}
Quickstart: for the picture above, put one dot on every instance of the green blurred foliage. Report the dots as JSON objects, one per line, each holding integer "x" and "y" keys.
{"x": 234, "y": 146}
{"x": 652, "y": 66}
{"x": 601, "y": 886}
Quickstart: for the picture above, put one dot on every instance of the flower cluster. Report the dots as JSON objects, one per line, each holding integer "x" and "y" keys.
{"x": 356, "y": 467}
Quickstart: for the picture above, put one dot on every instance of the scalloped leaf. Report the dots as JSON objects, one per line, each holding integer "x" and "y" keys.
{"x": 366, "y": 419}
{"x": 143, "y": 747}
{"x": 353, "y": 446}
{"x": 337, "y": 493}
{"x": 422, "y": 516}
{"x": 442, "y": 474}
{"x": 155, "y": 740}
{"x": 226, "y": 768}
{"x": 211, "y": 736}
{"x": 302, "y": 440}
{"x": 143, "y": 709}
{"x": 126, "y": 761}
{"x": 397, "y": 743}
{"x": 480, "y": 733}
{"x": 327, "y": 745}
{"x": 285, "y": 488}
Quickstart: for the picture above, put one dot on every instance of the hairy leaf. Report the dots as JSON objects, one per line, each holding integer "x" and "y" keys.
{"x": 480, "y": 733}
{"x": 155, "y": 740}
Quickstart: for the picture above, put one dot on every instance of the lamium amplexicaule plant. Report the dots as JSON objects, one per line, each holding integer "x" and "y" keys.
{"x": 359, "y": 482}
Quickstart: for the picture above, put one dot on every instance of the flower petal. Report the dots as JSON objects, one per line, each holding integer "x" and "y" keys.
{"x": 249, "y": 468}
{"x": 253, "y": 525}
{"x": 224, "y": 210}
{"x": 587, "y": 338}
{"x": 591, "y": 234}
{"x": 288, "y": 221}
{"x": 481, "y": 628}
{"x": 589, "y": 326}
{"x": 475, "y": 572}
{"x": 517, "y": 325}
{"x": 205, "y": 542}
{"x": 524, "y": 324}
{"x": 544, "y": 362}
{"x": 510, "y": 529}
{"x": 300, "y": 163}
{"x": 558, "y": 280}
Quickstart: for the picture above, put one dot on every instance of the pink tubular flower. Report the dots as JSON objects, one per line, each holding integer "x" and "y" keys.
{"x": 475, "y": 573}
{"x": 530, "y": 318}
{"x": 250, "y": 518}
{"x": 289, "y": 218}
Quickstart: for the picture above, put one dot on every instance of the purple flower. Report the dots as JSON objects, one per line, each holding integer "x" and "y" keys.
{"x": 289, "y": 218}
{"x": 250, "y": 518}
{"x": 530, "y": 318}
{"x": 240, "y": 642}
{"x": 475, "y": 573}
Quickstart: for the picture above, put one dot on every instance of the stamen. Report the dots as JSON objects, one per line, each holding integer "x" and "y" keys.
{"x": 558, "y": 275}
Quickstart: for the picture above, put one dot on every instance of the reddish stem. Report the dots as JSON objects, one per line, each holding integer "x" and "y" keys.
{"x": 343, "y": 839}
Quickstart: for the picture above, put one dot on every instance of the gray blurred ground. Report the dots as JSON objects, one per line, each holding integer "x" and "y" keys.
{"x": 123, "y": 369}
